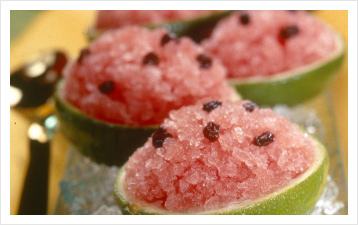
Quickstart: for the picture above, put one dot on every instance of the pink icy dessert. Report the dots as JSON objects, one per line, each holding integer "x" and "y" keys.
{"x": 214, "y": 153}
{"x": 135, "y": 76}
{"x": 108, "y": 19}
{"x": 263, "y": 43}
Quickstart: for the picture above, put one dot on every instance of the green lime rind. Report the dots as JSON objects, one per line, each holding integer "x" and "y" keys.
{"x": 297, "y": 198}
{"x": 295, "y": 86}
{"x": 196, "y": 28}
{"x": 107, "y": 143}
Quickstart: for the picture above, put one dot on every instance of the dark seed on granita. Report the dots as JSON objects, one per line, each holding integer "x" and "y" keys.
{"x": 210, "y": 106}
{"x": 264, "y": 139}
{"x": 84, "y": 52}
{"x": 211, "y": 131}
{"x": 159, "y": 136}
{"x": 288, "y": 32}
{"x": 168, "y": 37}
{"x": 250, "y": 106}
{"x": 244, "y": 18}
{"x": 292, "y": 11}
{"x": 204, "y": 61}
{"x": 151, "y": 59}
{"x": 106, "y": 87}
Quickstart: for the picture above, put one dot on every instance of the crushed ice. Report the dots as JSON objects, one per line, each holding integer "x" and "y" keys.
{"x": 303, "y": 117}
{"x": 328, "y": 204}
{"x": 87, "y": 187}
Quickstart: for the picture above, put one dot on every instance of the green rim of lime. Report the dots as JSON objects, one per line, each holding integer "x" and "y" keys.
{"x": 104, "y": 142}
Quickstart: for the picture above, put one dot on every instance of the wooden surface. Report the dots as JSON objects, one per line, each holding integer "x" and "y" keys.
{"x": 66, "y": 30}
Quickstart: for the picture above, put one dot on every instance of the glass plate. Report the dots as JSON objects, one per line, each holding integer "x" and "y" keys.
{"x": 87, "y": 187}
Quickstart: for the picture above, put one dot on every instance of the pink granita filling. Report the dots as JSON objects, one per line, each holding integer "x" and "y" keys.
{"x": 192, "y": 171}
{"x": 263, "y": 43}
{"x": 135, "y": 76}
{"x": 107, "y": 19}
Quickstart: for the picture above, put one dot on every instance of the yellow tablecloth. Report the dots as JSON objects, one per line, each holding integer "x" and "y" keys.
{"x": 66, "y": 30}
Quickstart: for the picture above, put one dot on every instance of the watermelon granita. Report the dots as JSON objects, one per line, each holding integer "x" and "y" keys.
{"x": 216, "y": 153}
{"x": 264, "y": 43}
{"x": 134, "y": 76}
{"x": 109, "y": 19}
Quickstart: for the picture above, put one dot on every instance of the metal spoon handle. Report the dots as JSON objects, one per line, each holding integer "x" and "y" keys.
{"x": 35, "y": 190}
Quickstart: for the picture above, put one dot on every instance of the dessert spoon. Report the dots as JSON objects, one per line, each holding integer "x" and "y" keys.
{"x": 31, "y": 88}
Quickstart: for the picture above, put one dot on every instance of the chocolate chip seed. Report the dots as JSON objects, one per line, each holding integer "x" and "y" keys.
{"x": 211, "y": 131}
{"x": 151, "y": 59}
{"x": 84, "y": 52}
{"x": 106, "y": 87}
{"x": 204, "y": 61}
{"x": 244, "y": 19}
{"x": 288, "y": 32}
{"x": 250, "y": 106}
{"x": 292, "y": 11}
{"x": 264, "y": 139}
{"x": 166, "y": 38}
{"x": 159, "y": 136}
{"x": 210, "y": 106}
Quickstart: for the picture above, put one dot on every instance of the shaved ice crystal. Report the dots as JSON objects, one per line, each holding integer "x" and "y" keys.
{"x": 264, "y": 42}
{"x": 135, "y": 76}
{"x": 192, "y": 172}
{"x": 108, "y": 19}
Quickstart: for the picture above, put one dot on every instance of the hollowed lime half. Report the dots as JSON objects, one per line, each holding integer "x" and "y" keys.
{"x": 104, "y": 142}
{"x": 297, "y": 197}
{"x": 294, "y": 86}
